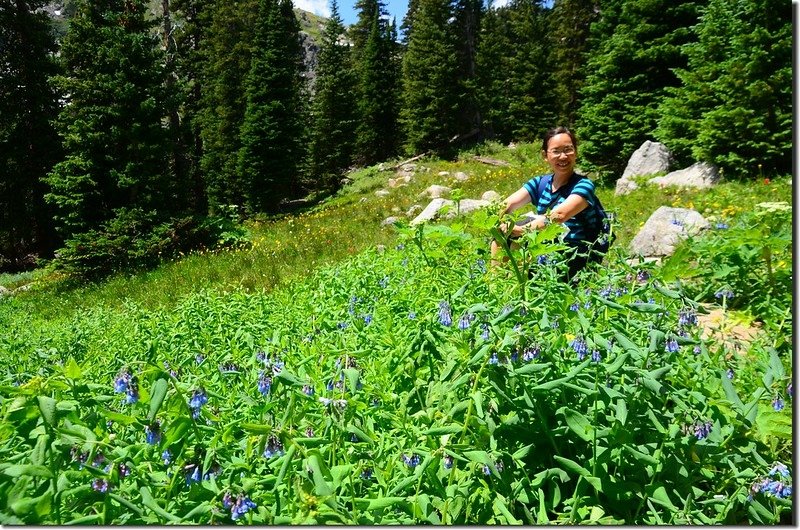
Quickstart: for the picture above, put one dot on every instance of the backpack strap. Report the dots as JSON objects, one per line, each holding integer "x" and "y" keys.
{"x": 544, "y": 181}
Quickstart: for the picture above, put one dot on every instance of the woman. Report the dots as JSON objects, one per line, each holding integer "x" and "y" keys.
{"x": 563, "y": 197}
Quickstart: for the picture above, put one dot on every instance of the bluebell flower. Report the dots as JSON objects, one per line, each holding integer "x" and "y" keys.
{"x": 274, "y": 447}
{"x": 367, "y": 319}
{"x": 676, "y": 222}
{"x": 498, "y": 465}
{"x": 100, "y": 485}
{"x": 480, "y": 264}
{"x": 125, "y": 382}
{"x": 486, "y": 470}
{"x": 199, "y": 358}
{"x": 672, "y": 345}
{"x": 606, "y": 292}
{"x": 687, "y": 317}
{"x": 192, "y": 473}
{"x": 575, "y": 306}
{"x": 697, "y": 350}
{"x": 196, "y": 401}
{"x": 353, "y": 437}
{"x": 152, "y": 433}
{"x": 166, "y": 456}
{"x": 642, "y": 276}
{"x": 789, "y": 390}
{"x": 701, "y": 429}
{"x": 448, "y": 461}
{"x": 596, "y": 357}
{"x": 514, "y": 356}
{"x": 411, "y": 461}
{"x": 309, "y": 432}
{"x": 722, "y": 226}
{"x": 531, "y": 352}
{"x": 366, "y": 473}
{"x": 779, "y": 469}
{"x": 308, "y": 390}
{"x": 412, "y": 315}
{"x": 400, "y": 246}
{"x": 227, "y": 500}
{"x": 464, "y": 321}
{"x": 729, "y": 374}
{"x": 493, "y": 358}
{"x": 242, "y": 505}
{"x": 123, "y": 470}
{"x": 777, "y": 404}
{"x": 724, "y": 293}
{"x": 261, "y": 356}
{"x": 121, "y": 382}
{"x": 264, "y": 383}
{"x": 343, "y": 325}
{"x": 580, "y": 347}
{"x": 383, "y": 282}
{"x": 329, "y": 385}
{"x": 485, "y": 331}
{"x": 445, "y": 317}
{"x": 542, "y": 260}
{"x": 277, "y": 366}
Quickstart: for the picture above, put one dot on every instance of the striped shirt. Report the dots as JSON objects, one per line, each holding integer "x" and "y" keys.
{"x": 587, "y": 224}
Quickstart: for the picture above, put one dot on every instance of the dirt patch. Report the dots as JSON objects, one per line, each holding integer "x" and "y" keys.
{"x": 728, "y": 330}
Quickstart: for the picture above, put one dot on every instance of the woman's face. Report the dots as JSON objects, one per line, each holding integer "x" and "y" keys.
{"x": 561, "y": 154}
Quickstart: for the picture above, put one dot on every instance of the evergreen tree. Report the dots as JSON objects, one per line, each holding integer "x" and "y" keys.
{"x": 515, "y": 76}
{"x": 29, "y": 146}
{"x": 334, "y": 114}
{"x": 627, "y": 75}
{"x": 430, "y": 104}
{"x": 569, "y": 24}
{"x": 468, "y": 16}
{"x": 225, "y": 59}
{"x": 734, "y": 106}
{"x": 273, "y": 134}
{"x": 111, "y": 125}
{"x": 377, "y": 70}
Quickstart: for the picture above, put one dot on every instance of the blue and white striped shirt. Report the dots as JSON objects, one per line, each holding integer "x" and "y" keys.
{"x": 587, "y": 224}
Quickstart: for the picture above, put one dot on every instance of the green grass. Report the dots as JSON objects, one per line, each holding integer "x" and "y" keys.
{"x": 291, "y": 247}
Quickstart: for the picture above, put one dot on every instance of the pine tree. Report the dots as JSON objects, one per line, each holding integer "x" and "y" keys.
{"x": 29, "y": 146}
{"x": 116, "y": 148}
{"x": 225, "y": 58}
{"x": 493, "y": 63}
{"x": 569, "y": 24}
{"x": 429, "y": 103}
{"x": 468, "y": 16}
{"x": 377, "y": 70}
{"x": 334, "y": 114}
{"x": 734, "y": 106}
{"x": 273, "y": 134}
{"x": 627, "y": 75}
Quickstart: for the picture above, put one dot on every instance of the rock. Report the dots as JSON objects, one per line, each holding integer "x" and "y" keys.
{"x": 413, "y": 209}
{"x": 390, "y": 221}
{"x": 392, "y": 183}
{"x": 381, "y": 249}
{"x": 512, "y": 145}
{"x": 665, "y": 229}
{"x": 699, "y": 175}
{"x": 382, "y": 193}
{"x": 431, "y": 211}
{"x": 4, "y": 291}
{"x": 443, "y": 173}
{"x": 435, "y": 191}
{"x": 466, "y": 206}
{"x": 461, "y": 176}
{"x": 649, "y": 159}
{"x": 491, "y": 195}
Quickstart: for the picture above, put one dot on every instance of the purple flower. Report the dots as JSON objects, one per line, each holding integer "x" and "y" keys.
{"x": 125, "y": 382}
{"x": 100, "y": 485}
{"x": 722, "y": 226}
{"x": 777, "y": 404}
{"x": 779, "y": 469}
{"x": 123, "y": 470}
{"x": 697, "y": 350}
{"x": 729, "y": 374}
{"x": 724, "y": 293}
{"x": 464, "y": 321}
{"x": 486, "y": 469}
{"x": 308, "y": 390}
{"x": 575, "y": 306}
{"x": 412, "y": 315}
{"x": 153, "y": 433}
{"x": 789, "y": 390}
{"x": 531, "y": 352}
{"x": 199, "y": 358}
{"x": 448, "y": 461}
{"x": 580, "y": 347}
{"x": 264, "y": 383}
{"x": 411, "y": 461}
{"x": 310, "y": 432}
{"x": 445, "y": 317}
{"x": 366, "y": 473}
{"x": 241, "y": 506}
{"x": 485, "y": 331}
{"x": 642, "y": 276}
{"x": 687, "y": 317}
{"x": 196, "y": 401}
{"x": 493, "y": 358}
{"x": 596, "y": 357}
{"x": 227, "y": 500}
{"x": 274, "y": 447}
{"x": 672, "y": 345}
{"x": 498, "y": 465}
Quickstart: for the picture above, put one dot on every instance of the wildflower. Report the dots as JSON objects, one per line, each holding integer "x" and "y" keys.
{"x": 672, "y": 345}
{"x": 412, "y": 315}
{"x": 127, "y": 383}
{"x": 309, "y": 432}
{"x": 480, "y": 264}
{"x": 485, "y": 331}
{"x": 153, "y": 433}
{"x": 724, "y": 293}
{"x": 277, "y": 366}
{"x": 227, "y": 500}
{"x": 554, "y": 323}
{"x": 343, "y": 325}
{"x": 722, "y": 226}
{"x": 779, "y": 469}
{"x": 445, "y": 317}
{"x": 274, "y": 447}
{"x": 199, "y": 358}
{"x": 697, "y": 350}
{"x": 192, "y": 472}
{"x": 642, "y": 276}
{"x": 464, "y": 321}
{"x": 100, "y": 485}
{"x": 486, "y": 470}
{"x": 166, "y": 456}
{"x": 606, "y": 292}
{"x": 411, "y": 461}
{"x": 448, "y": 461}
{"x": 677, "y": 222}
{"x": 329, "y": 385}
{"x": 531, "y": 353}
{"x": 196, "y": 401}
{"x": 80, "y": 458}
{"x": 596, "y": 356}
{"x": 580, "y": 347}
{"x": 729, "y": 374}
{"x": 242, "y": 505}
{"x": 789, "y": 390}
{"x": 264, "y": 383}
{"x": 777, "y": 404}
{"x": 587, "y": 304}
{"x": 228, "y": 367}
{"x": 701, "y": 429}
{"x": 574, "y": 306}
{"x": 353, "y": 438}
{"x": 498, "y": 465}
{"x": 308, "y": 390}
{"x": 493, "y": 359}
{"x": 514, "y": 356}
{"x": 542, "y": 260}
{"x": 123, "y": 470}
{"x": 687, "y": 317}
{"x": 366, "y": 473}
{"x": 367, "y": 319}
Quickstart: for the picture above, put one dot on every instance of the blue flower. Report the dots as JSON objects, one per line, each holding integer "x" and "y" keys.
{"x": 274, "y": 447}
{"x": 153, "y": 433}
{"x": 123, "y": 470}
{"x": 575, "y": 306}
{"x": 530, "y": 353}
{"x": 264, "y": 383}
{"x": 366, "y": 473}
{"x": 241, "y": 506}
{"x": 485, "y": 331}
{"x": 672, "y": 345}
{"x": 580, "y": 347}
{"x": 677, "y": 222}
{"x": 642, "y": 276}
{"x": 412, "y": 315}
{"x": 480, "y": 264}
{"x": 199, "y": 358}
{"x": 367, "y": 319}
{"x": 192, "y": 472}
{"x": 493, "y": 358}
{"x": 100, "y": 485}
{"x": 596, "y": 356}
{"x": 724, "y": 293}
{"x": 125, "y": 382}
{"x": 722, "y": 226}
{"x": 166, "y": 456}
{"x": 687, "y": 317}
{"x": 411, "y": 461}
{"x": 486, "y": 469}
{"x": 542, "y": 260}
{"x": 777, "y": 404}
{"x": 448, "y": 461}
{"x": 464, "y": 321}
{"x": 729, "y": 374}
{"x": 779, "y": 469}
{"x": 196, "y": 401}
{"x": 445, "y": 317}
{"x": 697, "y": 350}
{"x": 308, "y": 390}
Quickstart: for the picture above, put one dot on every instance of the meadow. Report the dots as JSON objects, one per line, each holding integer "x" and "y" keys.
{"x": 330, "y": 370}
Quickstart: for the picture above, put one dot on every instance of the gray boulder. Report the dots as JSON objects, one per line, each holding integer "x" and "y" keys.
{"x": 390, "y": 220}
{"x": 382, "y": 193}
{"x": 699, "y": 175}
{"x": 649, "y": 159}
{"x": 431, "y": 210}
{"x": 435, "y": 191}
{"x": 461, "y": 176}
{"x": 665, "y": 229}
{"x": 466, "y": 206}
{"x": 491, "y": 195}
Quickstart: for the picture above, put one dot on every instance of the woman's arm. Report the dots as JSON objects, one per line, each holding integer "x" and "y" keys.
{"x": 572, "y": 206}
{"x": 516, "y": 200}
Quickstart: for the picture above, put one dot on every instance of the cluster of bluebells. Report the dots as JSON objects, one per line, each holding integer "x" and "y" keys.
{"x": 777, "y": 404}
{"x": 498, "y": 465}
{"x": 129, "y": 384}
{"x": 166, "y": 456}
{"x": 238, "y": 506}
{"x": 264, "y": 383}
{"x": 366, "y": 473}
{"x": 699, "y": 429}
{"x": 228, "y": 367}
{"x": 672, "y": 345}
{"x": 193, "y": 472}
{"x": 196, "y": 401}
{"x": 687, "y": 317}
{"x": 100, "y": 485}
{"x": 531, "y": 353}
{"x": 777, "y": 483}
{"x": 466, "y": 320}
{"x": 447, "y": 461}
{"x": 152, "y": 433}
{"x": 445, "y": 315}
{"x": 274, "y": 447}
{"x": 580, "y": 347}
{"x": 723, "y": 293}
{"x": 411, "y": 461}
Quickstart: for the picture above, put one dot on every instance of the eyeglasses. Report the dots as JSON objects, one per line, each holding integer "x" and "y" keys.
{"x": 569, "y": 150}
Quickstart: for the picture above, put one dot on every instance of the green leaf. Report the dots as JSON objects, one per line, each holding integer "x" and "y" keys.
{"x": 116, "y": 417}
{"x": 382, "y": 502}
{"x": 669, "y": 293}
{"x": 477, "y": 398}
{"x": 47, "y": 406}
{"x": 522, "y": 452}
{"x": 531, "y": 368}
{"x": 646, "y": 308}
{"x": 177, "y": 429}
{"x": 730, "y": 392}
{"x": 319, "y": 475}
{"x": 499, "y": 505}
{"x": 621, "y": 411}
{"x": 480, "y": 457}
{"x": 149, "y": 502}
{"x": 447, "y": 429}
{"x": 579, "y": 424}
{"x": 72, "y": 370}
{"x": 571, "y": 465}
{"x": 352, "y": 376}
{"x": 775, "y": 364}
{"x": 157, "y": 395}
{"x": 18, "y": 470}
{"x": 617, "y": 364}
{"x": 285, "y": 466}
{"x": 364, "y": 437}
{"x": 659, "y": 495}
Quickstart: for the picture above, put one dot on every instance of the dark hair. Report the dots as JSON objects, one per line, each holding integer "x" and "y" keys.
{"x": 558, "y": 130}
